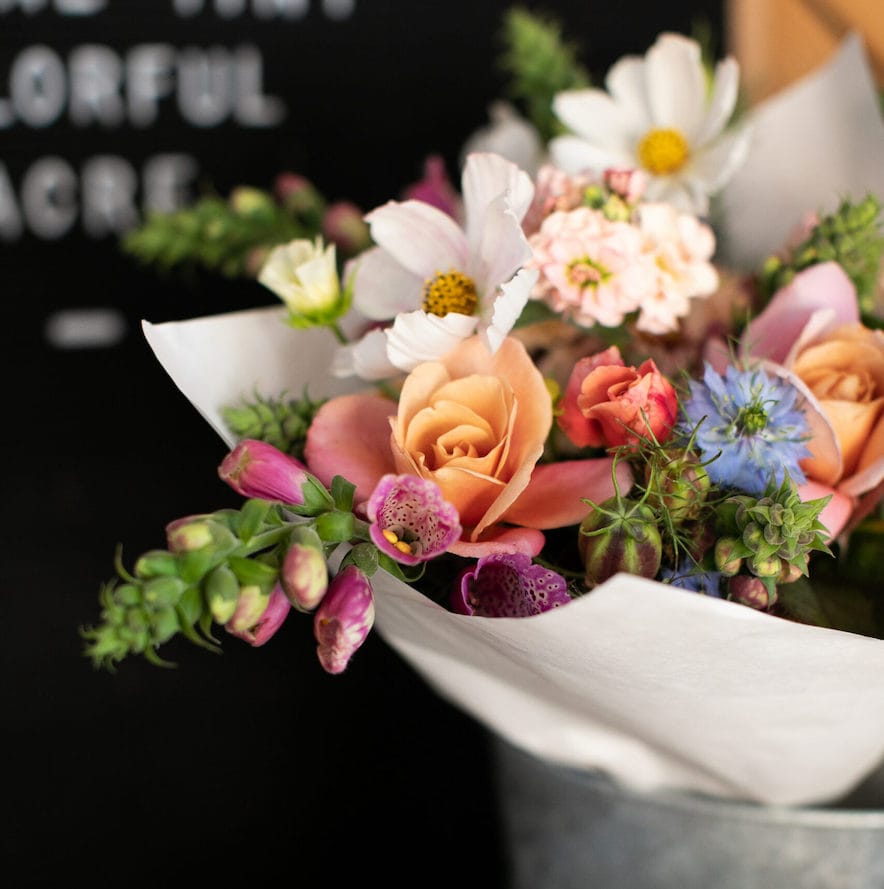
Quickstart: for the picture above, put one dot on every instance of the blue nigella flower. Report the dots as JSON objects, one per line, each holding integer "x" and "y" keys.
{"x": 689, "y": 577}
{"x": 753, "y": 421}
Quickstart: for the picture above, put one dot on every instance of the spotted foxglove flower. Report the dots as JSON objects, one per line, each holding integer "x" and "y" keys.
{"x": 749, "y": 425}
{"x": 430, "y": 283}
{"x": 509, "y": 585}
{"x": 658, "y": 115}
{"x": 410, "y": 520}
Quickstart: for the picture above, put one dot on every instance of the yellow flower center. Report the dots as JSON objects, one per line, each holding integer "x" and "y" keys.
{"x": 450, "y": 292}
{"x": 585, "y": 273}
{"x": 394, "y": 540}
{"x": 663, "y": 151}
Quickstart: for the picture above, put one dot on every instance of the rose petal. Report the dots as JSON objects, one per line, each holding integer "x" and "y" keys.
{"x": 499, "y": 539}
{"x": 350, "y": 436}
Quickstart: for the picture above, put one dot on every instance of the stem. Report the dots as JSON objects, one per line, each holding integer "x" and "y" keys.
{"x": 339, "y": 334}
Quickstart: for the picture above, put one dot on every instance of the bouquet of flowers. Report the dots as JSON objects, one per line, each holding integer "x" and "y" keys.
{"x": 595, "y": 483}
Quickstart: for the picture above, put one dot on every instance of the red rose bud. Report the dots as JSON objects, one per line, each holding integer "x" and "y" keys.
{"x": 344, "y": 618}
{"x": 619, "y": 535}
{"x": 258, "y": 616}
{"x": 304, "y": 573}
{"x": 257, "y": 469}
{"x": 752, "y": 591}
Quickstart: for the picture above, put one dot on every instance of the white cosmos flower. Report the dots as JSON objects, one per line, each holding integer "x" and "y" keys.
{"x": 439, "y": 283}
{"x": 658, "y": 115}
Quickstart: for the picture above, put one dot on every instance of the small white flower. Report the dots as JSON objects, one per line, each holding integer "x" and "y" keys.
{"x": 658, "y": 115}
{"x": 304, "y": 275}
{"x": 439, "y": 283}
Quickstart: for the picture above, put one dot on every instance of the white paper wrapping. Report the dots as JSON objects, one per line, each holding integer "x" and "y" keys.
{"x": 660, "y": 687}
{"x": 814, "y": 143}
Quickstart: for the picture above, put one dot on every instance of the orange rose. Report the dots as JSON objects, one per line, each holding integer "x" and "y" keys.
{"x": 844, "y": 370}
{"x": 474, "y": 423}
{"x": 607, "y": 404}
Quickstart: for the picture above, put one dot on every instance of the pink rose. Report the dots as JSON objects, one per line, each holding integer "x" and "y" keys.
{"x": 608, "y": 404}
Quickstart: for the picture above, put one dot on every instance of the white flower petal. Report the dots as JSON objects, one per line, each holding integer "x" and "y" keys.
{"x": 416, "y": 337}
{"x": 574, "y": 155}
{"x": 366, "y": 358}
{"x": 502, "y": 248}
{"x": 486, "y": 176}
{"x": 508, "y": 306}
{"x": 676, "y": 84}
{"x": 721, "y": 103}
{"x": 595, "y": 116}
{"x": 419, "y": 236}
{"x": 382, "y": 288}
{"x": 716, "y": 164}
{"x": 626, "y": 84}
{"x": 510, "y": 135}
{"x": 680, "y": 191}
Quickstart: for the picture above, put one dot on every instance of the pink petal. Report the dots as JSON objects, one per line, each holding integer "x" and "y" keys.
{"x": 350, "y": 436}
{"x": 501, "y": 540}
{"x": 822, "y": 286}
{"x": 836, "y": 512}
{"x": 553, "y": 496}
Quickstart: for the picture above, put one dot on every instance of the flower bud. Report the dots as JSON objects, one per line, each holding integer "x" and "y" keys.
{"x": 222, "y": 593}
{"x": 751, "y": 591}
{"x": 343, "y": 619}
{"x": 257, "y": 469}
{"x": 304, "y": 575}
{"x": 188, "y": 534}
{"x": 246, "y": 200}
{"x": 343, "y": 225}
{"x": 619, "y": 535}
{"x": 298, "y": 194}
{"x": 727, "y": 560}
{"x": 258, "y": 616}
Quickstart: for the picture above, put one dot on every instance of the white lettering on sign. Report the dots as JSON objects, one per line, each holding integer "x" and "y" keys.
{"x": 96, "y": 86}
{"x": 262, "y": 9}
{"x": 62, "y": 7}
{"x": 103, "y": 195}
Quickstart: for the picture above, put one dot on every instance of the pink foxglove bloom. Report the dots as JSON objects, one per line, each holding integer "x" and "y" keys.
{"x": 504, "y": 585}
{"x": 657, "y": 114}
{"x": 258, "y": 616}
{"x": 343, "y": 619}
{"x": 591, "y": 268}
{"x": 434, "y": 283}
{"x": 257, "y": 469}
{"x": 410, "y": 520}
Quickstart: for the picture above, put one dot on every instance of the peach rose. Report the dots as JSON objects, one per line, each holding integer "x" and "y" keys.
{"x": 607, "y": 404}
{"x": 476, "y": 425}
{"x": 812, "y": 328}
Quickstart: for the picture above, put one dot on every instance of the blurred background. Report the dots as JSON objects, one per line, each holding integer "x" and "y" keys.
{"x": 254, "y": 760}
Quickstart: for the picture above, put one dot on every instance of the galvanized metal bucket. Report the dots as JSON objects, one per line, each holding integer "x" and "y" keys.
{"x": 568, "y": 829}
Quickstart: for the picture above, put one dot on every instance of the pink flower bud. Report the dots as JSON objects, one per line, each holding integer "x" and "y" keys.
{"x": 629, "y": 184}
{"x": 343, "y": 224}
{"x": 258, "y": 616}
{"x": 344, "y": 618}
{"x": 435, "y": 188}
{"x": 188, "y": 534}
{"x": 304, "y": 576}
{"x": 257, "y": 469}
{"x": 751, "y": 591}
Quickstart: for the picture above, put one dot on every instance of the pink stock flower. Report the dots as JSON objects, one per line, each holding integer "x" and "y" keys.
{"x": 410, "y": 521}
{"x": 555, "y": 190}
{"x": 343, "y": 619}
{"x": 608, "y": 404}
{"x": 508, "y": 585}
{"x": 257, "y": 616}
{"x": 591, "y": 267}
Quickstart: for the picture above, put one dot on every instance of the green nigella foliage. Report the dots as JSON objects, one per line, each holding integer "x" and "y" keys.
{"x": 225, "y": 236}
{"x": 538, "y": 64}
{"x": 770, "y": 537}
{"x": 280, "y": 422}
{"x": 850, "y": 236}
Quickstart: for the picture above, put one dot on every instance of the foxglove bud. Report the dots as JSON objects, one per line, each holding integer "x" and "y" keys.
{"x": 620, "y": 535}
{"x": 258, "y": 616}
{"x": 304, "y": 573}
{"x": 343, "y": 619}
{"x": 298, "y": 194}
{"x": 257, "y": 469}
{"x": 222, "y": 593}
{"x": 188, "y": 534}
{"x": 343, "y": 224}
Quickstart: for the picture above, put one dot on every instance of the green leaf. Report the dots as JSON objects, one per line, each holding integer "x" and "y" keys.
{"x": 342, "y": 493}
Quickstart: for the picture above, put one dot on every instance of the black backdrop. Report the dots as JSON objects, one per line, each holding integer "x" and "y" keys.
{"x": 255, "y": 761}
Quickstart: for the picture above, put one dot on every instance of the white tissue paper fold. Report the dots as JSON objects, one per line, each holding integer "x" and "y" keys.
{"x": 659, "y": 687}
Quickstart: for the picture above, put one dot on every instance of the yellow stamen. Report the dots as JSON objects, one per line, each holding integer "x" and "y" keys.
{"x": 390, "y": 537}
{"x": 403, "y": 547}
{"x": 450, "y": 292}
{"x": 663, "y": 151}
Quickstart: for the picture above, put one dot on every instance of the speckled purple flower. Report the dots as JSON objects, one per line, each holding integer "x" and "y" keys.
{"x": 509, "y": 585}
{"x": 410, "y": 521}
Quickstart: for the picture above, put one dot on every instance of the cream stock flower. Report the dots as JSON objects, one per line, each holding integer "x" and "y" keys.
{"x": 657, "y": 115}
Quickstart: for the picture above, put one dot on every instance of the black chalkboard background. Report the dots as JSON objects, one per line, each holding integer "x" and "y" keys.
{"x": 254, "y": 762}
